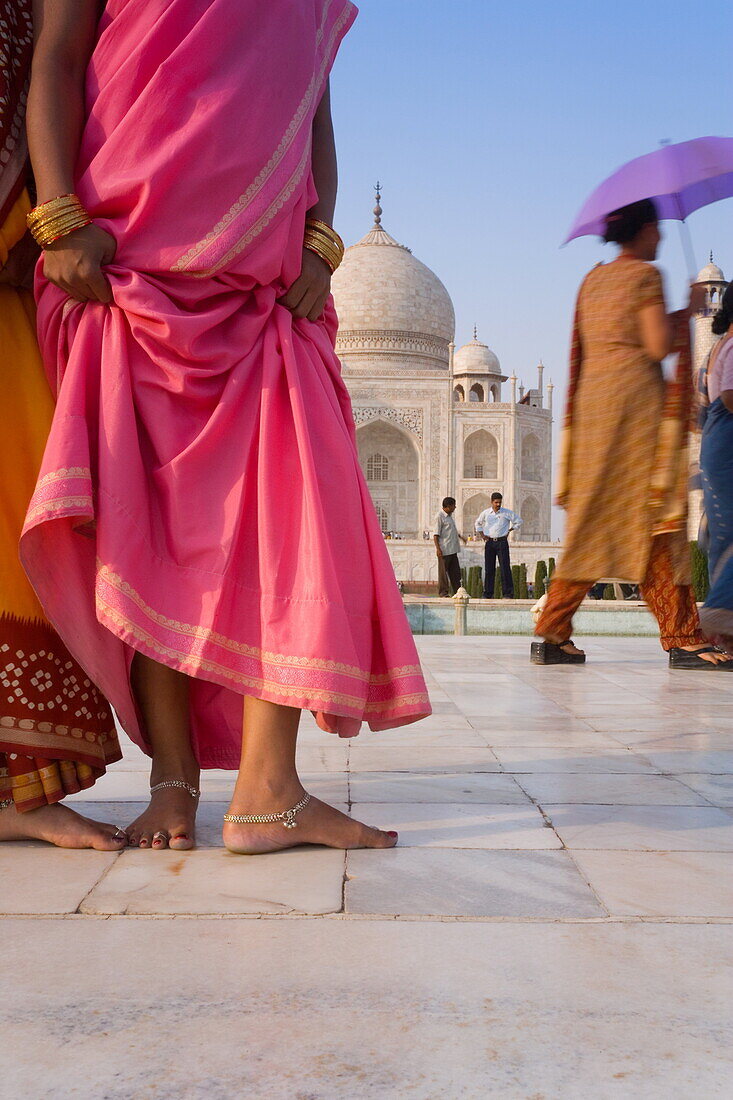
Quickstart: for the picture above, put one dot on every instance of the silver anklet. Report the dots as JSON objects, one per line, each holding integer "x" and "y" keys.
{"x": 193, "y": 791}
{"x": 6, "y": 803}
{"x": 287, "y": 816}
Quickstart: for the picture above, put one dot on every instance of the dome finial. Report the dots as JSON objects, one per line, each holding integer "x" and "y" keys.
{"x": 378, "y": 208}
{"x": 475, "y": 333}
{"x": 711, "y": 256}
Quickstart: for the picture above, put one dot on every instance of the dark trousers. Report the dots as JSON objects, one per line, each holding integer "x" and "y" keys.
{"x": 448, "y": 570}
{"x": 493, "y": 549}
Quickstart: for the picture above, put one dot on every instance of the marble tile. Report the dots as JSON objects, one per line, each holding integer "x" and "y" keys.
{"x": 648, "y": 724}
{"x": 298, "y": 880}
{"x": 39, "y": 879}
{"x": 440, "y": 883}
{"x": 460, "y": 825}
{"x": 644, "y": 828}
{"x": 378, "y": 1010}
{"x": 661, "y": 884}
{"x": 608, "y": 790}
{"x": 452, "y": 787}
{"x": 529, "y": 724}
{"x": 674, "y": 762}
{"x": 423, "y": 760}
{"x": 413, "y": 737}
{"x": 314, "y": 760}
{"x": 717, "y": 789}
{"x": 548, "y": 759}
{"x": 556, "y": 736}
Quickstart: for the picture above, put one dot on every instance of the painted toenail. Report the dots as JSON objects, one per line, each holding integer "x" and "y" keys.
{"x": 391, "y": 833}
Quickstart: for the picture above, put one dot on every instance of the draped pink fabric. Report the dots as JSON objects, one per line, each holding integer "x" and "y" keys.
{"x": 201, "y": 499}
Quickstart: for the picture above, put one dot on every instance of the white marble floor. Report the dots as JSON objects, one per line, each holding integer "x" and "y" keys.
{"x": 557, "y": 920}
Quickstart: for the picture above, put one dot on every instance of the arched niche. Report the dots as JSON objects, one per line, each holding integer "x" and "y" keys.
{"x": 477, "y": 392}
{"x": 398, "y": 459}
{"x": 530, "y": 518}
{"x": 472, "y": 509}
{"x": 531, "y": 463}
{"x": 383, "y": 517}
{"x": 480, "y": 455}
{"x": 459, "y": 394}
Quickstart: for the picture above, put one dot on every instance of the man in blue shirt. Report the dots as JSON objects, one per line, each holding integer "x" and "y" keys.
{"x": 494, "y": 525}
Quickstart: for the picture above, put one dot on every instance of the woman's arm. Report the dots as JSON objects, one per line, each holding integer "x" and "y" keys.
{"x": 308, "y": 295}
{"x": 659, "y": 329}
{"x": 65, "y": 31}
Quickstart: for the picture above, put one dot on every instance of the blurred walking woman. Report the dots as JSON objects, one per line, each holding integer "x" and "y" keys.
{"x": 203, "y": 446}
{"x": 623, "y": 463}
{"x": 716, "y": 467}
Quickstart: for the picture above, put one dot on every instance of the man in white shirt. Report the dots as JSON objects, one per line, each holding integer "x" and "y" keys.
{"x": 494, "y": 525}
{"x": 445, "y": 537}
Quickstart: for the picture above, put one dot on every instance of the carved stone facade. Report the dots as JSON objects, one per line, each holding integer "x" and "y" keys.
{"x": 431, "y": 419}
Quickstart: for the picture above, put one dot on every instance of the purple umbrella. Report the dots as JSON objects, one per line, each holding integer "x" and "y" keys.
{"x": 679, "y": 178}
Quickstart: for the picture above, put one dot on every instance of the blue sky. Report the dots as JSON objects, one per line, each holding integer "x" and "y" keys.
{"x": 488, "y": 124}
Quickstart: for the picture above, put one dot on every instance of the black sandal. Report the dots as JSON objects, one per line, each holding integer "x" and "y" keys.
{"x": 548, "y": 653}
{"x": 693, "y": 661}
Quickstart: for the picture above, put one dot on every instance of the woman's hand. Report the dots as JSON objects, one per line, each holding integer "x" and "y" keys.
{"x": 309, "y": 293}
{"x": 74, "y": 263}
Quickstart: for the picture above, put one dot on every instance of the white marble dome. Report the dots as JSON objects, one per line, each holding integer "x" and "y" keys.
{"x": 387, "y": 299}
{"x": 711, "y": 273}
{"x": 475, "y": 358}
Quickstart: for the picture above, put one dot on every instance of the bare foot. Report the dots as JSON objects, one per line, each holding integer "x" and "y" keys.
{"x": 168, "y": 822}
{"x": 61, "y": 826}
{"x": 316, "y": 824}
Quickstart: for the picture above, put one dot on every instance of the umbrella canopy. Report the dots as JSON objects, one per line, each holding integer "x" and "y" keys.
{"x": 678, "y": 178}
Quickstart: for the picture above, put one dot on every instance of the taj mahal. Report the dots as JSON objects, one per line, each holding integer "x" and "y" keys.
{"x": 433, "y": 419}
{"x": 436, "y": 420}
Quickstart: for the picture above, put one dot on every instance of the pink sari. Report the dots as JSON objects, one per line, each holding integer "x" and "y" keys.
{"x": 200, "y": 499}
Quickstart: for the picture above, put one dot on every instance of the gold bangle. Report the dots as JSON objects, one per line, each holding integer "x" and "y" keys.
{"x": 323, "y": 246}
{"x": 48, "y": 213}
{"x": 57, "y": 218}
{"x": 44, "y": 236}
{"x": 328, "y": 257}
{"x": 327, "y": 230}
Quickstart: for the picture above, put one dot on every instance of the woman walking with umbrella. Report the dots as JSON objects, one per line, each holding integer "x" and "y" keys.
{"x": 623, "y": 463}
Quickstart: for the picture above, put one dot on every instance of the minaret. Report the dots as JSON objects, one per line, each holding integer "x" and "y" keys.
{"x": 540, "y": 373}
{"x": 550, "y": 391}
{"x": 703, "y": 339}
{"x": 451, "y": 472}
{"x": 510, "y": 482}
{"x": 714, "y": 281}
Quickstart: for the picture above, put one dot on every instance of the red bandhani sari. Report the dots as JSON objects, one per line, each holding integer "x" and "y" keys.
{"x": 56, "y": 732}
{"x": 201, "y": 499}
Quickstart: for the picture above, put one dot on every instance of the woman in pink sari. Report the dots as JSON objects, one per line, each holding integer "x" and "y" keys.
{"x": 202, "y": 450}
